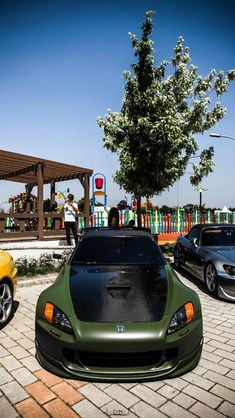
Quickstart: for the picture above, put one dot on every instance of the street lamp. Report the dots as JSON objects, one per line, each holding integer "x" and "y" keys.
{"x": 221, "y": 136}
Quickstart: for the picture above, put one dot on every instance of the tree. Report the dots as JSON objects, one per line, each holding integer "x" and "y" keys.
{"x": 154, "y": 132}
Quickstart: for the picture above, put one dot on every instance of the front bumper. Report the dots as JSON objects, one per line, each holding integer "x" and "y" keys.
{"x": 51, "y": 355}
{"x": 226, "y": 288}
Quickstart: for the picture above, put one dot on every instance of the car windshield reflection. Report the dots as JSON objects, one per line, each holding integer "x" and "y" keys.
{"x": 117, "y": 250}
{"x": 218, "y": 237}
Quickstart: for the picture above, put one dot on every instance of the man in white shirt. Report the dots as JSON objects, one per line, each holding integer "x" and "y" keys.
{"x": 70, "y": 211}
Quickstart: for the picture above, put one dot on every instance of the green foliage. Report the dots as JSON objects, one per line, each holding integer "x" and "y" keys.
{"x": 167, "y": 248}
{"x": 45, "y": 264}
{"x": 162, "y": 111}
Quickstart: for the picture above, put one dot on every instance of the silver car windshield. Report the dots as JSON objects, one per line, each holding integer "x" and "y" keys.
{"x": 224, "y": 236}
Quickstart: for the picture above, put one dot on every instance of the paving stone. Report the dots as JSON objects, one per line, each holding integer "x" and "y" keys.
{"x": 30, "y": 334}
{"x": 229, "y": 335}
{"x": 148, "y": 395}
{"x": 223, "y": 380}
{"x": 198, "y": 380}
{"x": 210, "y": 356}
{"x": 23, "y": 376}
{"x": 168, "y": 391}
{"x": 5, "y": 377}
{"x": 32, "y": 351}
{"x": 102, "y": 386}
{"x": 224, "y": 393}
{"x": 68, "y": 394}
{"x": 47, "y": 378}
{"x": 40, "y": 392}
{"x": 214, "y": 331}
{"x": 20, "y": 326}
{"x": 122, "y": 395}
{"x": 154, "y": 385}
{"x": 225, "y": 354}
{"x": 143, "y": 410}
{"x": 30, "y": 409}
{"x": 31, "y": 363}
{"x": 231, "y": 374}
{"x": 7, "y": 342}
{"x": 114, "y": 409}
{"x": 216, "y": 337}
{"x": 14, "y": 392}
{"x": 29, "y": 322}
{"x": 177, "y": 383}
{"x": 13, "y": 333}
{"x": 95, "y": 395}
{"x": 202, "y": 411}
{"x": 208, "y": 348}
{"x": 174, "y": 411}
{"x": 6, "y": 409}
{"x": 202, "y": 396}
{"x": 228, "y": 363}
{"x": 3, "y": 352}
{"x": 221, "y": 346}
{"x": 218, "y": 368}
{"x": 10, "y": 363}
{"x": 26, "y": 343}
{"x": 231, "y": 342}
{"x": 18, "y": 352}
{"x": 227, "y": 409}
{"x": 184, "y": 400}
{"x": 216, "y": 321}
{"x": 75, "y": 383}
{"x": 58, "y": 409}
{"x": 85, "y": 409}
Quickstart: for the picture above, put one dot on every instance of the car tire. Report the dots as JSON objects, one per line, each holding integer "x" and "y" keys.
{"x": 210, "y": 278}
{"x": 6, "y": 302}
{"x": 177, "y": 261}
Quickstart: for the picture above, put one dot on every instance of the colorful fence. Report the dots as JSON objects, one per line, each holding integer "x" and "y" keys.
{"x": 159, "y": 222}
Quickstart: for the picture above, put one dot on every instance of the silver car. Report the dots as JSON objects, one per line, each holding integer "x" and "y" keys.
{"x": 208, "y": 252}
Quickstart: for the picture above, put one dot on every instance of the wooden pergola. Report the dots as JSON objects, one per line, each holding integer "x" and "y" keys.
{"x": 35, "y": 171}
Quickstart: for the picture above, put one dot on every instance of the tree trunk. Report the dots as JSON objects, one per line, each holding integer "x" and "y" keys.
{"x": 138, "y": 198}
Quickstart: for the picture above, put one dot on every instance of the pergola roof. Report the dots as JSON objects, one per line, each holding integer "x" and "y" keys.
{"x": 23, "y": 169}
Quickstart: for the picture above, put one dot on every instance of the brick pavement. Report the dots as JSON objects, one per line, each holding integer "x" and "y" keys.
{"x": 29, "y": 391}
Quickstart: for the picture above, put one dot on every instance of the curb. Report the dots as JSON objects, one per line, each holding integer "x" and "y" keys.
{"x": 28, "y": 282}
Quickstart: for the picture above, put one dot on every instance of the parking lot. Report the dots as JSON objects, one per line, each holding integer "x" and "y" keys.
{"x": 29, "y": 391}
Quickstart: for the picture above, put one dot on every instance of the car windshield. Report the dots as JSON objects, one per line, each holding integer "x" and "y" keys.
{"x": 218, "y": 236}
{"x": 117, "y": 250}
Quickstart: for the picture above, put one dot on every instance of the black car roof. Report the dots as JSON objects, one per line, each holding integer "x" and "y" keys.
{"x": 116, "y": 232}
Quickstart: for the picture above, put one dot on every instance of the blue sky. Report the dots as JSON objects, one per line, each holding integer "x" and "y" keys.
{"x": 61, "y": 67}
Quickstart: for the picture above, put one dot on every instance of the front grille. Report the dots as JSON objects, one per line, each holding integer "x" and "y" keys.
{"x": 119, "y": 360}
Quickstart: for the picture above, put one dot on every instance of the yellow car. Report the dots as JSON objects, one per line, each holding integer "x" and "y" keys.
{"x": 7, "y": 286}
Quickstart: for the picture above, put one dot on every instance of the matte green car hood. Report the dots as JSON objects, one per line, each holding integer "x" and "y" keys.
{"x": 118, "y": 294}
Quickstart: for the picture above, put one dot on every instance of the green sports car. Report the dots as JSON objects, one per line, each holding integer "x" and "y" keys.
{"x": 118, "y": 312}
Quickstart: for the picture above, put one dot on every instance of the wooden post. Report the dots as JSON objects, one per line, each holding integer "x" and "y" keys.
{"x": 40, "y": 200}
{"x": 86, "y": 199}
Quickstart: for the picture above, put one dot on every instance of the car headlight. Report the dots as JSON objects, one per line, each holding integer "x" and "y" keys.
{"x": 181, "y": 318}
{"x": 229, "y": 269}
{"x": 56, "y": 317}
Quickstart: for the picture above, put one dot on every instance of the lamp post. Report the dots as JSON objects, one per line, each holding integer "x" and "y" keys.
{"x": 215, "y": 135}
